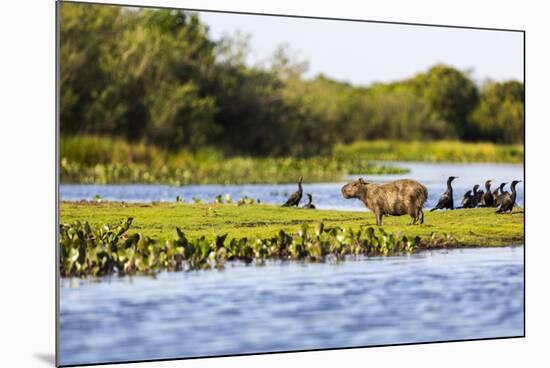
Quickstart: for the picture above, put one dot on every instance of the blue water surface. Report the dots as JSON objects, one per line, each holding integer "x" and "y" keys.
{"x": 429, "y": 296}
{"x": 326, "y": 195}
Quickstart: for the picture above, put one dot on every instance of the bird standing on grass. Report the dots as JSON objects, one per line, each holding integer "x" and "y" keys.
{"x": 488, "y": 198}
{"x": 477, "y": 196}
{"x": 472, "y": 197}
{"x": 508, "y": 201}
{"x": 446, "y": 201}
{"x": 467, "y": 200}
{"x": 309, "y": 204}
{"x": 296, "y": 197}
{"x": 500, "y": 194}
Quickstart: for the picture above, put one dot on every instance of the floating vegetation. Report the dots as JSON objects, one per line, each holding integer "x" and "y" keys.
{"x": 106, "y": 250}
{"x": 247, "y": 200}
{"x": 102, "y": 160}
{"x": 226, "y": 199}
{"x": 231, "y": 171}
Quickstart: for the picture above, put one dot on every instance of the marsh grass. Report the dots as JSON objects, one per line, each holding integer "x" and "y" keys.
{"x": 103, "y": 160}
{"x": 430, "y": 151}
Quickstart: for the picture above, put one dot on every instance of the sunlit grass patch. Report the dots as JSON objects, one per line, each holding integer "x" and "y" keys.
{"x": 102, "y": 238}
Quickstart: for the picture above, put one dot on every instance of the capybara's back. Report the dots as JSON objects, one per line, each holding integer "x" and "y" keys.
{"x": 400, "y": 197}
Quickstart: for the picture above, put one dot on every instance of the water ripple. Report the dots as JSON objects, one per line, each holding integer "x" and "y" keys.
{"x": 438, "y": 295}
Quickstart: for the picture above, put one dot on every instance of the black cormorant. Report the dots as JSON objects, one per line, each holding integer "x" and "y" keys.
{"x": 477, "y": 196}
{"x": 446, "y": 201}
{"x": 488, "y": 199}
{"x": 296, "y": 197}
{"x": 508, "y": 202}
{"x": 498, "y": 190}
{"x": 309, "y": 204}
{"x": 467, "y": 199}
{"x": 499, "y": 194}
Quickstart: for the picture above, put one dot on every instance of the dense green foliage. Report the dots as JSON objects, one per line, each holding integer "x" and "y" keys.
{"x": 452, "y": 95}
{"x": 499, "y": 110}
{"x": 108, "y": 249}
{"x": 156, "y": 76}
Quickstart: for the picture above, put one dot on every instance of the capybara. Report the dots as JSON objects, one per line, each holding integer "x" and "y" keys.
{"x": 397, "y": 198}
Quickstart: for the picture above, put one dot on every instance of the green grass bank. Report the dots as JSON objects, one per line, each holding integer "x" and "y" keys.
{"x": 467, "y": 227}
{"x": 98, "y": 239}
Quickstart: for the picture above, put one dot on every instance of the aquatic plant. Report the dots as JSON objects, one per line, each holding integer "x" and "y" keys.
{"x": 226, "y": 199}
{"x": 110, "y": 249}
{"x": 139, "y": 163}
{"x": 247, "y": 200}
{"x": 202, "y": 167}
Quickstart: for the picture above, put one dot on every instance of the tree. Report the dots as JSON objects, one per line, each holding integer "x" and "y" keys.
{"x": 158, "y": 76}
{"x": 136, "y": 74}
{"x": 451, "y": 94}
{"x": 500, "y": 114}
{"x": 85, "y": 34}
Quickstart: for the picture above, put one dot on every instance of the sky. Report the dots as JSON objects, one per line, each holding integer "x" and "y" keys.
{"x": 363, "y": 53}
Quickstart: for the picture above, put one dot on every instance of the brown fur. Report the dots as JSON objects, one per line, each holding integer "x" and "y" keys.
{"x": 400, "y": 197}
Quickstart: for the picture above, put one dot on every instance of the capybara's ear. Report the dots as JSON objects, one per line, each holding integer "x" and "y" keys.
{"x": 362, "y": 181}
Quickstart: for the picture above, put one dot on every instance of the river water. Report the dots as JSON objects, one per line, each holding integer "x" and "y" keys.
{"x": 326, "y": 195}
{"x": 429, "y": 296}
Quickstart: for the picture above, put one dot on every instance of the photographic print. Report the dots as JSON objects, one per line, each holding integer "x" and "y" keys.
{"x": 233, "y": 183}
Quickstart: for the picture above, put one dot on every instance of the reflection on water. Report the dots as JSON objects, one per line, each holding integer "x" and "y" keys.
{"x": 326, "y": 195}
{"x": 430, "y": 296}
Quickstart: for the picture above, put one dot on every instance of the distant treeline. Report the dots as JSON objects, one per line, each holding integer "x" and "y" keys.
{"x": 157, "y": 76}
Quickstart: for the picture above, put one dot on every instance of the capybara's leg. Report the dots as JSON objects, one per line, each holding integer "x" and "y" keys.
{"x": 378, "y": 219}
{"x": 414, "y": 217}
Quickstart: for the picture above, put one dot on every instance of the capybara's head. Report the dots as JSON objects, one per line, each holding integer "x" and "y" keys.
{"x": 355, "y": 189}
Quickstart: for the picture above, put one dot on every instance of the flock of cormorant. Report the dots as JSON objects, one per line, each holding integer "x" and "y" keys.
{"x": 500, "y": 198}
